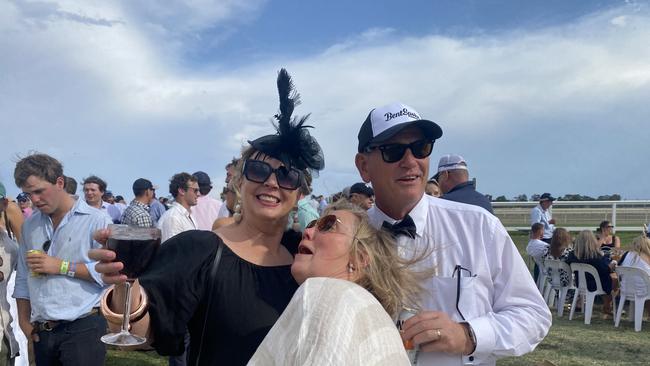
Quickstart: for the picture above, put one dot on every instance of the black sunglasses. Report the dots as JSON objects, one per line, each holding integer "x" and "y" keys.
{"x": 259, "y": 171}
{"x": 325, "y": 223}
{"x": 392, "y": 153}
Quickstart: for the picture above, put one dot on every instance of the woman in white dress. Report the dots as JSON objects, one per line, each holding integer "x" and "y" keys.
{"x": 352, "y": 282}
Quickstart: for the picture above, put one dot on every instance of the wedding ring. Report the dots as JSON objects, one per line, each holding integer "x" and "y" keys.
{"x": 439, "y": 334}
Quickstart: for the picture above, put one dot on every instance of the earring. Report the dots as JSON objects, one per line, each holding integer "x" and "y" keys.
{"x": 237, "y": 214}
{"x": 350, "y": 268}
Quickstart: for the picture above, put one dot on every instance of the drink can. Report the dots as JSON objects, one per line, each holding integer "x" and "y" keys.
{"x": 36, "y": 274}
{"x": 412, "y": 350}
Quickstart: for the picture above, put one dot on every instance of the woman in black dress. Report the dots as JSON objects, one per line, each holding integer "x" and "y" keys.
{"x": 253, "y": 283}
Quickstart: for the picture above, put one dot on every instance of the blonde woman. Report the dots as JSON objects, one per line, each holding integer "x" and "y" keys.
{"x": 638, "y": 257}
{"x": 587, "y": 250}
{"x": 352, "y": 282}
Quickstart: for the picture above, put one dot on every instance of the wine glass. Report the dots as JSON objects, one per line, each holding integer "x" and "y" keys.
{"x": 135, "y": 247}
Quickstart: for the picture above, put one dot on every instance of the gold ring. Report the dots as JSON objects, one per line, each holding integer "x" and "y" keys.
{"x": 439, "y": 334}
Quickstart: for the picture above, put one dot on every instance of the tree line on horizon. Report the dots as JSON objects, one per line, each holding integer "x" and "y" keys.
{"x": 567, "y": 197}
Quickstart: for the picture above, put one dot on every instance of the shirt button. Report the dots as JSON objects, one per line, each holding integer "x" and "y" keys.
{"x": 471, "y": 358}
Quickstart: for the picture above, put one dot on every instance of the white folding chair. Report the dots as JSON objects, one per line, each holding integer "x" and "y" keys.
{"x": 553, "y": 266}
{"x": 582, "y": 289}
{"x": 635, "y": 287}
{"x": 542, "y": 277}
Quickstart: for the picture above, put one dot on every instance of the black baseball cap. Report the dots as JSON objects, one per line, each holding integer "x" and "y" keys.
{"x": 203, "y": 179}
{"x": 362, "y": 188}
{"x": 140, "y": 185}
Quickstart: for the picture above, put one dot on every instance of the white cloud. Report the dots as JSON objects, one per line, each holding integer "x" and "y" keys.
{"x": 79, "y": 69}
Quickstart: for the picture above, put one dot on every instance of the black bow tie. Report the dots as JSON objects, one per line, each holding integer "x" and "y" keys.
{"x": 404, "y": 227}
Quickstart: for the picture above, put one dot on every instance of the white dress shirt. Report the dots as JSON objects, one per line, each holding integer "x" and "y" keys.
{"x": 174, "y": 221}
{"x": 205, "y": 212}
{"x": 498, "y": 299}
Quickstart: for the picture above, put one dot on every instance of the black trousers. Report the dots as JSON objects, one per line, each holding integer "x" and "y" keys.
{"x": 72, "y": 343}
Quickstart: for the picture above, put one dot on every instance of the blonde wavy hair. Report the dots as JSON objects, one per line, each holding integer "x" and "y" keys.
{"x": 586, "y": 246}
{"x": 641, "y": 245}
{"x": 388, "y": 277}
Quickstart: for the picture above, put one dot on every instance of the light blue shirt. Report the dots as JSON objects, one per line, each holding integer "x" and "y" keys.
{"x": 60, "y": 297}
{"x": 538, "y": 214}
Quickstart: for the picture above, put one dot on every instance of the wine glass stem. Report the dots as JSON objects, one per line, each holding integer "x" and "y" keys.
{"x": 127, "y": 308}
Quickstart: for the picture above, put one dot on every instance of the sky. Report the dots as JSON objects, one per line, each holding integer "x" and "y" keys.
{"x": 537, "y": 96}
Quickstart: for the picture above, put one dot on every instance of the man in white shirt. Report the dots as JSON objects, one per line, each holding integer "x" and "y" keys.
{"x": 537, "y": 248}
{"x": 542, "y": 214}
{"x": 185, "y": 190}
{"x": 481, "y": 303}
{"x": 231, "y": 169}
{"x": 207, "y": 208}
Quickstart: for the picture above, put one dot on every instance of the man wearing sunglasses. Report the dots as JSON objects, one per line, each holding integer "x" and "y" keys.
{"x": 482, "y": 303}
{"x": 185, "y": 190}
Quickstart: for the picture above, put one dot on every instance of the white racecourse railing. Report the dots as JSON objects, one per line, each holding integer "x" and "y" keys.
{"x": 578, "y": 215}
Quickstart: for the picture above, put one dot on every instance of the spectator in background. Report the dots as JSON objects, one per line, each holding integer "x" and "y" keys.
{"x": 362, "y": 195}
{"x": 536, "y": 248}
{"x": 185, "y": 189}
{"x": 137, "y": 214}
{"x": 8, "y": 255}
{"x": 231, "y": 169}
{"x": 606, "y": 238}
{"x": 207, "y": 208}
{"x": 453, "y": 178}
{"x": 58, "y": 308}
{"x": 111, "y": 209}
{"x": 11, "y": 218}
{"x": 230, "y": 200}
{"x": 120, "y": 204}
{"x": 304, "y": 213}
{"x": 587, "y": 250}
{"x": 542, "y": 214}
{"x": 638, "y": 257}
{"x": 322, "y": 204}
{"x": 432, "y": 188}
{"x": 157, "y": 207}
{"x": 25, "y": 205}
{"x": 71, "y": 186}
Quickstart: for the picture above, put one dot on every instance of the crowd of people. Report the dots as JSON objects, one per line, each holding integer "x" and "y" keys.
{"x": 601, "y": 249}
{"x": 271, "y": 274}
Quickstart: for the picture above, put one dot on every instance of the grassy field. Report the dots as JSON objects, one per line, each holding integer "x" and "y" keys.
{"x": 568, "y": 342}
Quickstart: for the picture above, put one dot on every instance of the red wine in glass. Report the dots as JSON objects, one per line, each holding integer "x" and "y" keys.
{"x": 135, "y": 247}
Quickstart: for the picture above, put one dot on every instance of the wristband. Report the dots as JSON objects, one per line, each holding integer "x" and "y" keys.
{"x": 64, "y": 267}
{"x": 72, "y": 269}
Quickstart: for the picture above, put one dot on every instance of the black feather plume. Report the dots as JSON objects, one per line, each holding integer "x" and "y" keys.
{"x": 292, "y": 144}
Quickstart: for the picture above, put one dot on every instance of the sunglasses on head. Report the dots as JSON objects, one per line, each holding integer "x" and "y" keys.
{"x": 392, "y": 153}
{"x": 259, "y": 171}
{"x": 324, "y": 224}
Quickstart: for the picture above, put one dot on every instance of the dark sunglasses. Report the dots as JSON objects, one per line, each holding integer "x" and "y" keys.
{"x": 259, "y": 171}
{"x": 325, "y": 223}
{"x": 392, "y": 153}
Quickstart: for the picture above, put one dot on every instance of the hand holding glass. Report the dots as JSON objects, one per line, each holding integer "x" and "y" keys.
{"x": 135, "y": 247}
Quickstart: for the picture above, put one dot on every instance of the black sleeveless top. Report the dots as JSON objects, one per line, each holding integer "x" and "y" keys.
{"x": 247, "y": 299}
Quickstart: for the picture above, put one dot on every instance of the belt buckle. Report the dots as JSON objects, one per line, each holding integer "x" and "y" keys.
{"x": 47, "y": 326}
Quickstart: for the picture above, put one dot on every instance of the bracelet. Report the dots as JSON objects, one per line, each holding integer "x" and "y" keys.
{"x": 116, "y": 318}
{"x": 72, "y": 269}
{"x": 64, "y": 267}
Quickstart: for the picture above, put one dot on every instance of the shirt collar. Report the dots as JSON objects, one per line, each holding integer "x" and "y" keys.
{"x": 180, "y": 207}
{"x": 462, "y": 185}
{"x": 138, "y": 203}
{"x": 418, "y": 214}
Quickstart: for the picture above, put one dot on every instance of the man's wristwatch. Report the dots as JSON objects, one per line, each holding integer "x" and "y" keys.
{"x": 470, "y": 334}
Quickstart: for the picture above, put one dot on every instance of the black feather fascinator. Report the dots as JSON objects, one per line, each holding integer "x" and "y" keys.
{"x": 292, "y": 144}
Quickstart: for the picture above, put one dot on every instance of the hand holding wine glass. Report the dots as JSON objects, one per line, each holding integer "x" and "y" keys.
{"x": 132, "y": 249}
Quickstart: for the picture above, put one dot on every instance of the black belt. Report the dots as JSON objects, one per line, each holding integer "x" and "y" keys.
{"x": 49, "y": 325}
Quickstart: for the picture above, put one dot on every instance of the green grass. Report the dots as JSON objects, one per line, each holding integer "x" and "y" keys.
{"x": 568, "y": 342}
